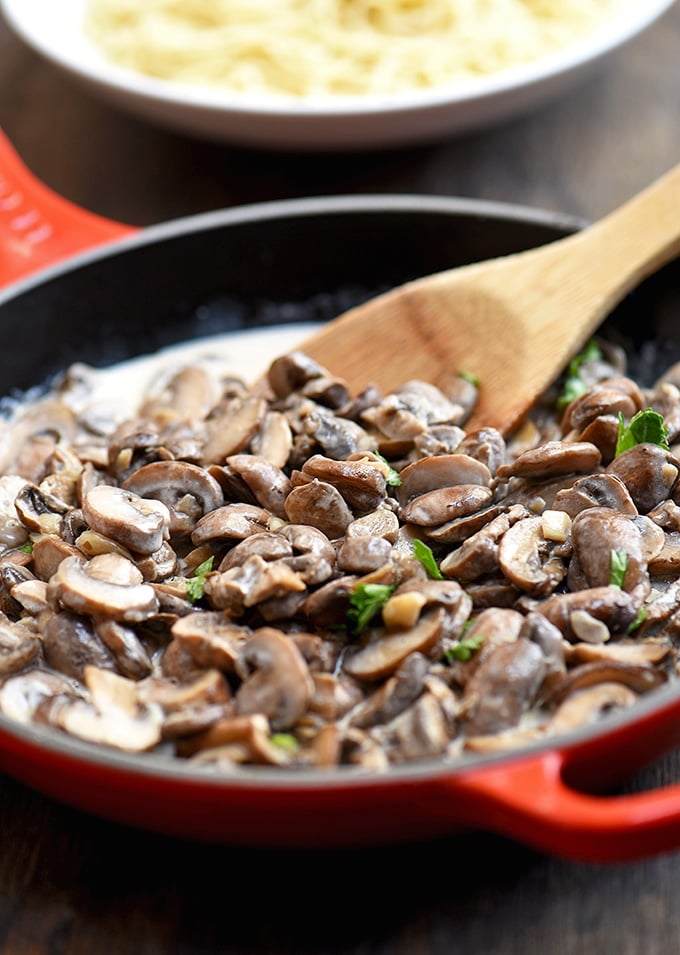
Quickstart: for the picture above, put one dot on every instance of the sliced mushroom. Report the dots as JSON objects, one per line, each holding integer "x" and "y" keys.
{"x": 446, "y": 470}
{"x": 648, "y": 472}
{"x": 386, "y": 651}
{"x": 79, "y": 587}
{"x": 139, "y": 524}
{"x": 590, "y": 706}
{"x": 188, "y": 491}
{"x": 279, "y": 686}
{"x": 528, "y": 560}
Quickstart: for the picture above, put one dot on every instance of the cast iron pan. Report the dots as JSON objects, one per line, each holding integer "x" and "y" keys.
{"x": 132, "y": 293}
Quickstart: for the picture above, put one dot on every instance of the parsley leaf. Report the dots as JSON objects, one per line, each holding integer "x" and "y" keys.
{"x": 392, "y": 478}
{"x": 284, "y": 741}
{"x": 26, "y": 548}
{"x": 645, "y": 427}
{"x": 427, "y": 559}
{"x": 463, "y": 649}
{"x": 618, "y": 565}
{"x": 366, "y": 601}
{"x": 640, "y": 618}
{"x": 574, "y": 385}
{"x": 195, "y": 584}
{"x": 471, "y": 377}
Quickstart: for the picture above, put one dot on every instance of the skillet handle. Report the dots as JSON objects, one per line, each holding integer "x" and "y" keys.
{"x": 38, "y": 227}
{"x": 530, "y": 801}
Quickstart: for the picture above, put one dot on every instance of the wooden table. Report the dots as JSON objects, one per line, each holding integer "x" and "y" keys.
{"x": 74, "y": 885}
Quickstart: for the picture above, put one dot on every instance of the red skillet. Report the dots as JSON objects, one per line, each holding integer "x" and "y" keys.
{"x": 308, "y": 259}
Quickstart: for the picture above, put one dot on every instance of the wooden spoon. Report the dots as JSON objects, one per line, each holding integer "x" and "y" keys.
{"x": 514, "y": 321}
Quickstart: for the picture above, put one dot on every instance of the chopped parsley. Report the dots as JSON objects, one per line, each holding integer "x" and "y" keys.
{"x": 196, "y": 583}
{"x": 618, "y": 565}
{"x": 645, "y": 427}
{"x": 471, "y": 377}
{"x": 574, "y": 386}
{"x": 640, "y": 618}
{"x": 284, "y": 741}
{"x": 464, "y": 648}
{"x": 366, "y": 601}
{"x": 427, "y": 559}
{"x": 392, "y": 478}
{"x": 26, "y": 548}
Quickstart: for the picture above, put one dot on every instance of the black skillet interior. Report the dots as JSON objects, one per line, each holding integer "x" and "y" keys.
{"x": 296, "y": 261}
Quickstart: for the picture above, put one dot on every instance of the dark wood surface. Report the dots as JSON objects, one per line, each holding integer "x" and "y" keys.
{"x": 74, "y": 885}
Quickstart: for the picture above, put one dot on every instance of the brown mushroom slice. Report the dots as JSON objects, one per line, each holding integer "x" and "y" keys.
{"x": 422, "y": 731}
{"x": 321, "y": 505}
{"x": 445, "y": 470}
{"x": 230, "y": 522}
{"x": 211, "y": 639}
{"x": 513, "y": 738}
{"x": 385, "y": 651}
{"x": 80, "y": 587}
{"x": 21, "y": 695}
{"x": 360, "y": 480}
{"x": 39, "y": 511}
{"x": 486, "y": 445}
{"x": 274, "y": 439}
{"x": 551, "y": 459}
{"x": 291, "y": 372}
{"x": 361, "y": 555}
{"x": 645, "y": 653}
{"x": 327, "y": 606}
{"x": 528, "y": 560}
{"x": 138, "y": 524}
{"x": 70, "y": 644}
{"x": 640, "y": 678}
{"x": 234, "y": 740}
{"x": 478, "y": 555}
{"x": 187, "y": 394}
{"x": 269, "y": 484}
{"x": 393, "y": 696}
{"x": 599, "y": 532}
{"x": 666, "y": 515}
{"x": 279, "y": 685}
{"x": 589, "y": 706}
{"x": 132, "y": 658}
{"x": 649, "y": 473}
{"x": 20, "y": 647}
{"x": 31, "y": 595}
{"x": 231, "y": 430}
{"x": 605, "y": 399}
{"x": 115, "y": 717}
{"x": 611, "y": 605}
{"x": 595, "y": 490}
{"x": 48, "y": 552}
{"x": 13, "y": 533}
{"x": 334, "y": 696}
{"x": 255, "y": 581}
{"x": 265, "y": 545}
{"x": 667, "y": 561}
{"x": 382, "y": 522}
{"x": 187, "y": 490}
{"x": 461, "y": 528}
{"x": 437, "y": 507}
{"x": 502, "y": 688}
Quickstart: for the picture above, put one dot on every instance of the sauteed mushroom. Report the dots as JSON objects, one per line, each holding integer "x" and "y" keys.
{"x": 291, "y": 575}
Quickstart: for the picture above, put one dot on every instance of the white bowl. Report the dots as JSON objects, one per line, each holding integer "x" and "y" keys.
{"x": 53, "y": 29}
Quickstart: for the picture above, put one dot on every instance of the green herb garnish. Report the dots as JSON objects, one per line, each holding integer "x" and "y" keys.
{"x": 640, "y": 618}
{"x": 618, "y": 565}
{"x": 471, "y": 377}
{"x": 284, "y": 741}
{"x": 26, "y": 548}
{"x": 646, "y": 427}
{"x": 574, "y": 386}
{"x": 427, "y": 559}
{"x": 366, "y": 601}
{"x": 463, "y": 649}
{"x": 392, "y": 479}
{"x": 196, "y": 583}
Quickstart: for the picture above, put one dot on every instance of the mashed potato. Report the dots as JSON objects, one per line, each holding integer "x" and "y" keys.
{"x": 308, "y": 48}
